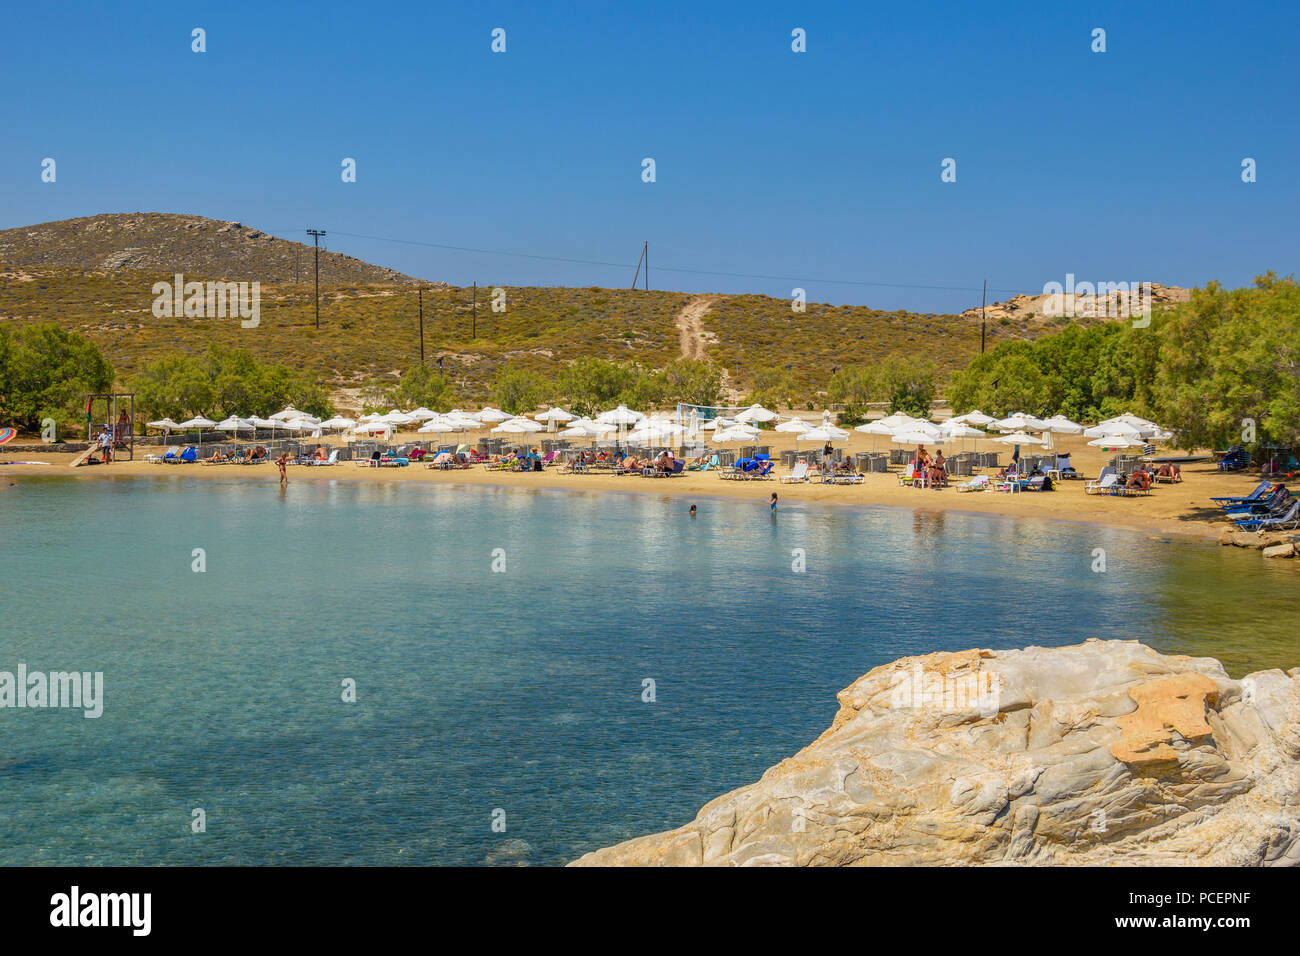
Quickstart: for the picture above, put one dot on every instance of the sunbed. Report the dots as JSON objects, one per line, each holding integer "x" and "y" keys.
{"x": 978, "y": 483}
{"x": 333, "y": 459}
{"x": 188, "y": 454}
{"x": 1260, "y": 491}
{"x": 1105, "y": 483}
{"x": 907, "y": 475}
{"x": 1288, "y": 519}
{"x": 170, "y": 453}
{"x": 800, "y": 473}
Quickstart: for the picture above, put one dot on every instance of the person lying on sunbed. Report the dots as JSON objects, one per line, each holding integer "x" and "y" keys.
{"x": 1169, "y": 470}
{"x": 216, "y": 457}
{"x": 1139, "y": 481}
{"x": 258, "y": 454}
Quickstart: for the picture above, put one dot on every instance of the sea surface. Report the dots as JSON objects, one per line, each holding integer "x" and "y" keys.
{"x": 504, "y": 716}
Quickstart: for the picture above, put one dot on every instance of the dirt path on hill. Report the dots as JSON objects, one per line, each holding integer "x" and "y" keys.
{"x": 690, "y": 327}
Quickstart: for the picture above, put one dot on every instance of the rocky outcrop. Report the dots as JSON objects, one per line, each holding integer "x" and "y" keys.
{"x": 1106, "y": 752}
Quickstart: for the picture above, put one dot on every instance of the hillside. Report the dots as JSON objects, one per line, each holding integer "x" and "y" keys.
{"x": 96, "y": 274}
{"x": 168, "y": 243}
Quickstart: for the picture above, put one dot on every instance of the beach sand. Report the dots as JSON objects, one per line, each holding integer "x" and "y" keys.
{"x": 1171, "y": 509}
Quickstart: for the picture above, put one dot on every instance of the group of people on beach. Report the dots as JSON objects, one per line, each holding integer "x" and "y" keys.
{"x": 932, "y": 471}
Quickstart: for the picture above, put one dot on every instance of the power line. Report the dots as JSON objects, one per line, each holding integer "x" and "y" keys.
{"x": 315, "y": 235}
{"x": 933, "y": 287}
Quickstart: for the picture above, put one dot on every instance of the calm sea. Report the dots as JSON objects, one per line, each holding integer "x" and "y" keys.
{"x": 514, "y": 697}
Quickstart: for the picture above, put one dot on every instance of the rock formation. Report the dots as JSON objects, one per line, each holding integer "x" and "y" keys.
{"x": 1106, "y": 752}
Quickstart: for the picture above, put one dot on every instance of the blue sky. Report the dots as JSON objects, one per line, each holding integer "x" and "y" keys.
{"x": 820, "y": 169}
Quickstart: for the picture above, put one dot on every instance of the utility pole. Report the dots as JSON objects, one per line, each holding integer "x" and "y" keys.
{"x": 421, "y": 325}
{"x": 315, "y": 235}
{"x": 645, "y": 257}
{"x": 984, "y": 322}
{"x": 474, "y": 320}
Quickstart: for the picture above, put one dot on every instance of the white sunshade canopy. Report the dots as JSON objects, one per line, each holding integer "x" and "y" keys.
{"x": 287, "y": 413}
{"x": 756, "y": 413}
{"x": 517, "y": 426}
{"x": 797, "y": 425}
{"x": 736, "y": 433}
{"x": 1116, "y": 441}
{"x": 555, "y": 415}
{"x": 337, "y": 422}
{"x": 896, "y": 421}
{"x": 820, "y": 433}
{"x": 1019, "y": 438}
{"x": 960, "y": 430}
{"x": 163, "y": 423}
{"x": 1020, "y": 422}
{"x": 875, "y": 428}
{"x": 620, "y": 416}
{"x": 441, "y": 426}
{"x": 233, "y": 424}
{"x": 1061, "y": 425}
{"x": 490, "y": 414}
{"x": 198, "y": 423}
{"x": 973, "y": 418}
{"x": 905, "y": 437}
{"x": 423, "y": 414}
{"x": 1111, "y": 429}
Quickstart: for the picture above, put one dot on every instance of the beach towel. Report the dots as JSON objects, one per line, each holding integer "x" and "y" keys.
{"x": 7, "y": 434}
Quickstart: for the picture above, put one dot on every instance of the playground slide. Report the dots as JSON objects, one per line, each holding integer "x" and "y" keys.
{"x": 81, "y": 459}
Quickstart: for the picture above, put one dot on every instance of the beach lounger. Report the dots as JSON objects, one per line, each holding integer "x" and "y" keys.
{"x": 333, "y": 459}
{"x": 1287, "y": 519}
{"x": 978, "y": 483}
{"x": 170, "y": 453}
{"x": 1234, "y": 459}
{"x": 187, "y": 455}
{"x": 907, "y": 475}
{"x": 440, "y": 460}
{"x": 1105, "y": 483}
{"x": 800, "y": 473}
{"x": 1260, "y": 491}
{"x": 1271, "y": 503}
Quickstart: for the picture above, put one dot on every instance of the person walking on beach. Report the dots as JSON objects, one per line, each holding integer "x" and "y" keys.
{"x": 105, "y": 445}
{"x": 280, "y": 463}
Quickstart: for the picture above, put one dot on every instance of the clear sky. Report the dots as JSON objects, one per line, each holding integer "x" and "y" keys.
{"x": 818, "y": 169}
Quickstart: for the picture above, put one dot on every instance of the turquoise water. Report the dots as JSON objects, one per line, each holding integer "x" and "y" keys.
{"x": 519, "y": 691}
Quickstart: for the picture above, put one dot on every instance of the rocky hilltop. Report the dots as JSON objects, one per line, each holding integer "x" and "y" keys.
{"x": 1034, "y": 310}
{"x": 1100, "y": 753}
{"x": 167, "y": 243}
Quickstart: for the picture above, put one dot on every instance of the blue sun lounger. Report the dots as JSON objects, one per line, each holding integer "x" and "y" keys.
{"x": 1260, "y": 491}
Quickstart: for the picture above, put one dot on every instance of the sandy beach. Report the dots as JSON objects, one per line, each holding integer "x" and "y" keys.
{"x": 1170, "y": 509}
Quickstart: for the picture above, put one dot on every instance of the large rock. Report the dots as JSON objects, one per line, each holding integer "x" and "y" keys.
{"x": 1104, "y": 752}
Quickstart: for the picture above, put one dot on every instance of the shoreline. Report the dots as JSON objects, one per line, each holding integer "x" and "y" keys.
{"x": 1170, "y": 510}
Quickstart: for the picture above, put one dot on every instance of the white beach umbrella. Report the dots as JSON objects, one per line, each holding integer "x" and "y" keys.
{"x": 896, "y": 421}
{"x": 875, "y": 430}
{"x": 1018, "y": 438}
{"x": 907, "y": 437}
{"x": 756, "y": 413}
{"x": 200, "y": 423}
{"x": 1117, "y": 441}
{"x": 423, "y": 414}
{"x": 620, "y": 416}
{"x": 553, "y": 417}
{"x": 233, "y": 424}
{"x": 287, "y": 413}
{"x": 492, "y": 415}
{"x": 1020, "y": 422}
{"x": 164, "y": 424}
{"x": 815, "y": 434}
{"x": 1111, "y": 429}
{"x": 796, "y": 425}
{"x": 1061, "y": 425}
{"x": 337, "y": 422}
{"x": 736, "y": 433}
{"x": 975, "y": 417}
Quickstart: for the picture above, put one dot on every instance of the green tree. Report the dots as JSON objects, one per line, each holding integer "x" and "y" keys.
{"x": 46, "y": 372}
{"x": 773, "y": 388}
{"x": 223, "y": 382}
{"x": 517, "y": 390}
{"x": 693, "y": 382}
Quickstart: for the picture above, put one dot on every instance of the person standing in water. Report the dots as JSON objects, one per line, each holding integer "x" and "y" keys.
{"x": 280, "y": 463}
{"x": 692, "y": 511}
{"x": 772, "y": 503}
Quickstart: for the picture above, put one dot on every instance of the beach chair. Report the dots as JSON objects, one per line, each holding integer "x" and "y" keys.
{"x": 333, "y": 459}
{"x": 1260, "y": 491}
{"x": 800, "y": 473}
{"x": 1290, "y": 518}
{"x": 1271, "y": 503}
{"x": 187, "y": 455}
{"x": 440, "y": 460}
{"x": 1104, "y": 484}
{"x": 908, "y": 474}
{"x": 978, "y": 483}
{"x": 169, "y": 454}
